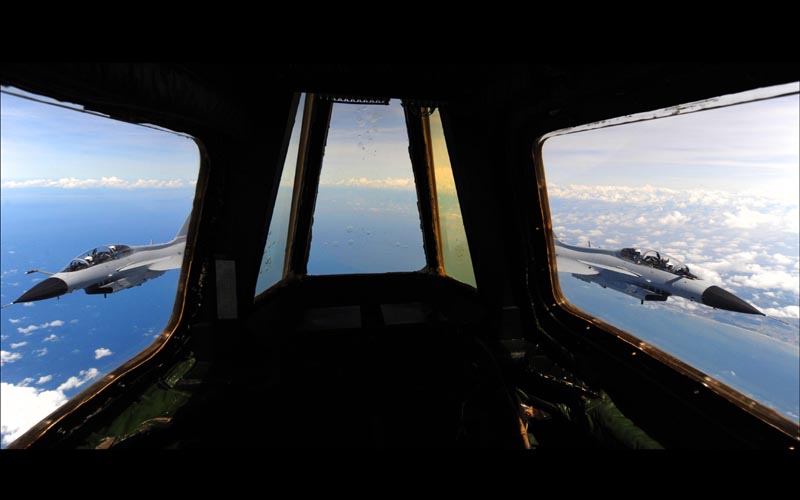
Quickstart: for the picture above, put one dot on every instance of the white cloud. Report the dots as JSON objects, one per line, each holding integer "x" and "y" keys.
{"x": 18, "y": 344}
{"x": 770, "y": 280}
{"x": 783, "y": 312}
{"x": 682, "y": 303}
{"x": 745, "y": 218}
{"x": 28, "y": 304}
{"x": 23, "y": 407}
{"x": 51, "y": 338}
{"x": 102, "y": 352}
{"x": 9, "y": 357}
{"x": 781, "y": 259}
{"x": 104, "y": 182}
{"x": 735, "y": 210}
{"x": 387, "y": 183}
{"x": 674, "y": 217}
{"x": 83, "y": 377}
{"x": 30, "y": 328}
{"x": 14, "y": 321}
{"x": 40, "y": 352}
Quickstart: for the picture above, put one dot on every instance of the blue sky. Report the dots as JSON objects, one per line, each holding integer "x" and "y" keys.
{"x": 749, "y": 148}
{"x": 367, "y": 147}
{"x": 48, "y": 143}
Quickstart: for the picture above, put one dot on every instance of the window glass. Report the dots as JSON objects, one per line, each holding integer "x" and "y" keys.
{"x": 683, "y": 231}
{"x": 72, "y": 181}
{"x": 455, "y": 250}
{"x": 366, "y": 218}
{"x": 271, "y": 270}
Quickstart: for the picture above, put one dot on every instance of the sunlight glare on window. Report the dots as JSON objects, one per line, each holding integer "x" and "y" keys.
{"x": 453, "y": 237}
{"x": 272, "y": 263}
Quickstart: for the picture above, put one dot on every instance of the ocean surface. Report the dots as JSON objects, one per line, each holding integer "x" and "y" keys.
{"x": 742, "y": 356}
{"x": 56, "y": 339}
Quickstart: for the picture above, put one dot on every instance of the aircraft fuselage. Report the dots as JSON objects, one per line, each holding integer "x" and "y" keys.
{"x": 116, "y": 268}
{"x": 645, "y": 274}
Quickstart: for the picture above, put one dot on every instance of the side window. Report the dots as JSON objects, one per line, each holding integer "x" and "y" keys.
{"x": 682, "y": 230}
{"x": 272, "y": 263}
{"x": 453, "y": 237}
{"x": 366, "y": 218}
{"x": 72, "y": 181}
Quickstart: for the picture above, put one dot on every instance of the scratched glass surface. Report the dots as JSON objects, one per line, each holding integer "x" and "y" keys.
{"x": 366, "y": 218}
{"x": 271, "y": 269}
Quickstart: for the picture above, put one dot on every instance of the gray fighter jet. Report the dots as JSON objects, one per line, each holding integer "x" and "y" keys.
{"x": 110, "y": 268}
{"x": 645, "y": 274}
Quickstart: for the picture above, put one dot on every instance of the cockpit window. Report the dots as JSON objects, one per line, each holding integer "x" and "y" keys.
{"x": 452, "y": 235}
{"x": 658, "y": 260}
{"x": 272, "y": 262}
{"x": 680, "y": 229}
{"x": 72, "y": 180}
{"x": 97, "y": 256}
{"x": 366, "y": 218}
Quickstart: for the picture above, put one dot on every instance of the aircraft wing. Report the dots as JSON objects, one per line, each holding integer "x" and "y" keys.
{"x": 588, "y": 268}
{"x": 573, "y": 266}
{"x": 161, "y": 264}
{"x": 620, "y": 284}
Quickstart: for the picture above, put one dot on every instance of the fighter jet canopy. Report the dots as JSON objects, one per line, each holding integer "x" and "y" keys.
{"x": 659, "y": 260}
{"x": 96, "y": 256}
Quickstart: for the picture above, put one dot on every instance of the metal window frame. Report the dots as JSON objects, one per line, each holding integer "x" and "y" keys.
{"x": 567, "y": 315}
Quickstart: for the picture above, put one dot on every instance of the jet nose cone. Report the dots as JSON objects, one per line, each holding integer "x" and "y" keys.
{"x": 715, "y": 296}
{"x": 47, "y": 289}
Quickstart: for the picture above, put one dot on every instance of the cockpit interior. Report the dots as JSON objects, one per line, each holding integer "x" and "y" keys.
{"x": 484, "y": 357}
{"x": 658, "y": 260}
{"x": 97, "y": 256}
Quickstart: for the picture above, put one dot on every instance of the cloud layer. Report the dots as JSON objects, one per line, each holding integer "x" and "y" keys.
{"x": 745, "y": 243}
{"x": 24, "y": 406}
{"x": 112, "y": 182}
{"x": 387, "y": 183}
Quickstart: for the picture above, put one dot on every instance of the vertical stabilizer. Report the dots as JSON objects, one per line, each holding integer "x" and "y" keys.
{"x": 184, "y": 228}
